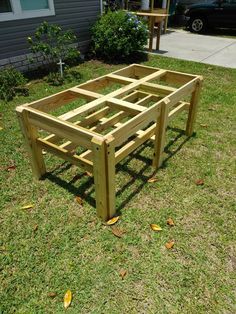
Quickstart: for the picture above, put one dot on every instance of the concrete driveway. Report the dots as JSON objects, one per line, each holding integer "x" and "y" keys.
{"x": 201, "y": 48}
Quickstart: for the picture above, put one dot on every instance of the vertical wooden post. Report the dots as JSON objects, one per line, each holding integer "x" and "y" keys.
{"x": 151, "y": 30}
{"x": 160, "y": 134}
{"x": 193, "y": 107}
{"x": 35, "y": 152}
{"x": 167, "y": 12}
{"x": 104, "y": 177}
{"x": 158, "y": 35}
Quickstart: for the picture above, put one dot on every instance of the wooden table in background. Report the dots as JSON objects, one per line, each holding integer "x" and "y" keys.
{"x": 154, "y": 18}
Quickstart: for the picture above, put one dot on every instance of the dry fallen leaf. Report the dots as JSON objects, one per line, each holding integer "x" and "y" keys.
{"x": 52, "y": 294}
{"x": 123, "y": 273}
{"x": 44, "y": 152}
{"x": 155, "y": 227}
{"x": 204, "y": 125}
{"x": 27, "y": 206}
{"x": 113, "y": 220}
{"x": 12, "y": 167}
{"x": 79, "y": 200}
{"x": 67, "y": 299}
{"x": 170, "y": 222}
{"x": 151, "y": 180}
{"x": 35, "y": 227}
{"x": 88, "y": 174}
{"x": 117, "y": 232}
{"x": 199, "y": 182}
{"x": 169, "y": 245}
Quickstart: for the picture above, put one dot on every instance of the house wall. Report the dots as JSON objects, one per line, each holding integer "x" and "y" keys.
{"x": 78, "y": 15}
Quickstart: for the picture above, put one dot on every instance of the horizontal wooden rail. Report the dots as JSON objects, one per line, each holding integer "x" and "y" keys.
{"x": 139, "y": 122}
{"x": 66, "y": 155}
{"x": 134, "y": 143}
{"x": 76, "y": 134}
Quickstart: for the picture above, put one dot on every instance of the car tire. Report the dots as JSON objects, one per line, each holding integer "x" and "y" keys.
{"x": 197, "y": 24}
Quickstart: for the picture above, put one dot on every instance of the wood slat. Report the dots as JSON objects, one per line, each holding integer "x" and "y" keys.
{"x": 64, "y": 154}
{"x": 128, "y": 148}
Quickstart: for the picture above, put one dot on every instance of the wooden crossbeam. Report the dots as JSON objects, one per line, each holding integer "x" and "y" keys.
{"x": 65, "y": 154}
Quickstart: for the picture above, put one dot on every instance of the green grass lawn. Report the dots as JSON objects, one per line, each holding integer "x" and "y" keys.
{"x": 59, "y": 244}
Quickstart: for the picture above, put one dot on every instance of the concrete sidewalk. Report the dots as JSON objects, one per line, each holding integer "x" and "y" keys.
{"x": 201, "y": 48}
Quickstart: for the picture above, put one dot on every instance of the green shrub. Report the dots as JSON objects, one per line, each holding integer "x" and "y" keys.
{"x": 11, "y": 83}
{"x": 118, "y": 35}
{"x": 52, "y": 44}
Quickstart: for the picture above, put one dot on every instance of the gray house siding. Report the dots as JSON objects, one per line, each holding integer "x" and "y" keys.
{"x": 78, "y": 15}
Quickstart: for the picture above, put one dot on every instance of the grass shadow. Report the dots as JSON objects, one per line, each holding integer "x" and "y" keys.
{"x": 139, "y": 175}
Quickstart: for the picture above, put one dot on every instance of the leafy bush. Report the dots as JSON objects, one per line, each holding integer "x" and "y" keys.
{"x": 11, "y": 83}
{"x": 52, "y": 44}
{"x": 117, "y": 35}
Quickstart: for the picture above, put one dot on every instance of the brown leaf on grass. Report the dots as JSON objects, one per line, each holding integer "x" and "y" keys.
{"x": 27, "y": 206}
{"x": 79, "y": 200}
{"x": 52, "y": 294}
{"x": 117, "y": 232}
{"x": 204, "y": 125}
{"x": 89, "y": 174}
{"x": 169, "y": 245}
{"x": 199, "y": 182}
{"x": 113, "y": 220}
{"x": 12, "y": 167}
{"x": 67, "y": 299}
{"x": 155, "y": 227}
{"x": 170, "y": 222}
{"x": 151, "y": 180}
{"x": 123, "y": 273}
{"x": 35, "y": 228}
{"x": 44, "y": 152}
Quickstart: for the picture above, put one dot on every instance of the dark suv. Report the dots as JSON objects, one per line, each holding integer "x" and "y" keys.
{"x": 219, "y": 13}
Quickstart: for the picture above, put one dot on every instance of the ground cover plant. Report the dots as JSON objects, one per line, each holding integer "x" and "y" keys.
{"x": 59, "y": 244}
{"x": 12, "y": 82}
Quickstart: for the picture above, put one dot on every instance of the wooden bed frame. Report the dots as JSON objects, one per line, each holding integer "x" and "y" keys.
{"x": 105, "y": 129}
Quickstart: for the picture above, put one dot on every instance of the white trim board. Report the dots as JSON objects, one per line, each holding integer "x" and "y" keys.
{"x": 18, "y": 14}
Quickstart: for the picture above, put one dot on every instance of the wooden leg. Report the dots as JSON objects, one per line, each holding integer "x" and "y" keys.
{"x": 158, "y": 36}
{"x": 104, "y": 177}
{"x": 193, "y": 108}
{"x": 160, "y": 135}
{"x": 151, "y": 30}
{"x": 35, "y": 152}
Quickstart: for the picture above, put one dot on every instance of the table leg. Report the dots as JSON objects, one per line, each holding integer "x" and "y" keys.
{"x": 158, "y": 36}
{"x": 151, "y": 30}
{"x": 35, "y": 152}
{"x": 104, "y": 177}
{"x": 193, "y": 108}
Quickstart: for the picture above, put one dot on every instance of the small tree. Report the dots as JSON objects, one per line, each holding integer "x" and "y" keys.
{"x": 53, "y": 44}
